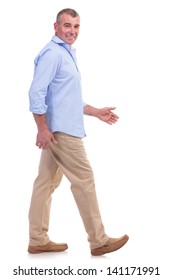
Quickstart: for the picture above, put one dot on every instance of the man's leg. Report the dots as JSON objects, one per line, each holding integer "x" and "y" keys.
{"x": 70, "y": 155}
{"x": 49, "y": 177}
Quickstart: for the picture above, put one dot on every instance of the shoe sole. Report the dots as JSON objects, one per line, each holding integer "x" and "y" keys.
{"x": 111, "y": 247}
{"x": 38, "y": 250}
{"x": 46, "y": 251}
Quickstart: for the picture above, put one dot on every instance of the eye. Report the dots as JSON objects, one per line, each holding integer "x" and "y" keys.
{"x": 67, "y": 25}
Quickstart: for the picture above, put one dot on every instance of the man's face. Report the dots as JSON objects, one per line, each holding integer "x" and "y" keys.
{"x": 68, "y": 28}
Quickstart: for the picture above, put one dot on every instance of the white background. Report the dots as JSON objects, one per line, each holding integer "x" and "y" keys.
{"x": 125, "y": 57}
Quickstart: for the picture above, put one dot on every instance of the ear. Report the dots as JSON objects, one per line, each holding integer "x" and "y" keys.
{"x": 55, "y": 26}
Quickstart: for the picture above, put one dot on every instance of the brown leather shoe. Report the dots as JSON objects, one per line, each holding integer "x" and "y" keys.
{"x": 49, "y": 247}
{"x": 111, "y": 245}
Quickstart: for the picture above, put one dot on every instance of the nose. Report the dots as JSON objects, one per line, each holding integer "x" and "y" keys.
{"x": 72, "y": 30}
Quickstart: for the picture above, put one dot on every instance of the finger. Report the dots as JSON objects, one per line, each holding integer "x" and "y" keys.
{"x": 39, "y": 145}
{"x": 54, "y": 140}
{"x": 111, "y": 108}
{"x": 109, "y": 122}
{"x": 114, "y": 116}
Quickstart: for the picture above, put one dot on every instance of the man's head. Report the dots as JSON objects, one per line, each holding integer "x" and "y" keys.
{"x": 67, "y": 25}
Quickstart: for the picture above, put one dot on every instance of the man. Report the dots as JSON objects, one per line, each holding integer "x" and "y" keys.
{"x": 58, "y": 109}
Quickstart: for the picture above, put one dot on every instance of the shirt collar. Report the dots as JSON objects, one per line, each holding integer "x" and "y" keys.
{"x": 57, "y": 40}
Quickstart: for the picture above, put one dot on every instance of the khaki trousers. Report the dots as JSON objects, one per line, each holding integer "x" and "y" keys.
{"x": 68, "y": 157}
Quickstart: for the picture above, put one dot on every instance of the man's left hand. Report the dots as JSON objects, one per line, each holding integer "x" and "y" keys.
{"x": 106, "y": 115}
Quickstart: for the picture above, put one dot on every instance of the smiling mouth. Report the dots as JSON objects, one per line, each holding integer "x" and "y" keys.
{"x": 71, "y": 36}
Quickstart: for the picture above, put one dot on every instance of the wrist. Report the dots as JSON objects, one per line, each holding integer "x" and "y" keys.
{"x": 91, "y": 111}
{"x": 40, "y": 122}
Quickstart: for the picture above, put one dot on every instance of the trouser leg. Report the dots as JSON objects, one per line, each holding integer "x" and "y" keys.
{"x": 49, "y": 177}
{"x": 70, "y": 155}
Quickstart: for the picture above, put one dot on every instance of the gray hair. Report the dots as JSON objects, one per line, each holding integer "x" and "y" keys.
{"x": 68, "y": 11}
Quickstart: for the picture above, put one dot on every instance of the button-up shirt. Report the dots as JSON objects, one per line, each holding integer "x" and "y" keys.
{"x": 56, "y": 89}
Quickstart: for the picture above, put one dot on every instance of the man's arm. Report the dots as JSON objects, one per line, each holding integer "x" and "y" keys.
{"x": 104, "y": 114}
{"x": 46, "y": 65}
{"x": 44, "y": 136}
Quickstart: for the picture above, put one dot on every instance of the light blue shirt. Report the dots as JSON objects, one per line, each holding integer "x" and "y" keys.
{"x": 56, "y": 89}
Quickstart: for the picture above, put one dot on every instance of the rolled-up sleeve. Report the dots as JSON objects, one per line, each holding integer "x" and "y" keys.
{"x": 46, "y": 66}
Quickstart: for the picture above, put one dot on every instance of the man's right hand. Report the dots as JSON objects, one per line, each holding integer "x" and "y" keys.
{"x": 44, "y": 137}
